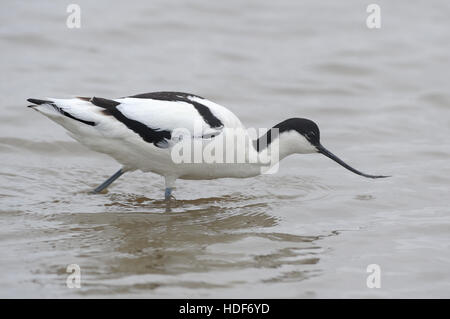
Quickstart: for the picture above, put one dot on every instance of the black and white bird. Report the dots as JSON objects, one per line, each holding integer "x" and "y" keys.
{"x": 141, "y": 131}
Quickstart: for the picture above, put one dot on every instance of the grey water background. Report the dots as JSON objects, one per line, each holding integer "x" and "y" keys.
{"x": 381, "y": 98}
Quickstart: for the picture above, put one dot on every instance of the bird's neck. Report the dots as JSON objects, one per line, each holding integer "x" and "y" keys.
{"x": 276, "y": 145}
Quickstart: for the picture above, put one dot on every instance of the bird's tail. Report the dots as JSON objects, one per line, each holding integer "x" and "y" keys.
{"x": 54, "y": 110}
{"x": 47, "y": 107}
{"x": 37, "y": 102}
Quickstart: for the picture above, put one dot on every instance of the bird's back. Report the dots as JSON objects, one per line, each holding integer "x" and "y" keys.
{"x": 138, "y": 130}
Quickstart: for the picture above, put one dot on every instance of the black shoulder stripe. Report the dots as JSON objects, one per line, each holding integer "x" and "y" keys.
{"x": 150, "y": 135}
{"x": 104, "y": 103}
{"x": 203, "y": 110}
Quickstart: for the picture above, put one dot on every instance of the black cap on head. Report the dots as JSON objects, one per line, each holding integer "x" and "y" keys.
{"x": 305, "y": 127}
{"x": 310, "y": 131}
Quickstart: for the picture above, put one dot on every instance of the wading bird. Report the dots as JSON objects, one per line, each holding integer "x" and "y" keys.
{"x": 139, "y": 132}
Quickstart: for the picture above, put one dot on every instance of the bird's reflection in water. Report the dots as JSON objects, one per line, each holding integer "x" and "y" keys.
{"x": 197, "y": 237}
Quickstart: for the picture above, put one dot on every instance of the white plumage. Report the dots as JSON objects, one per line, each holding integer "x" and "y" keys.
{"x": 141, "y": 131}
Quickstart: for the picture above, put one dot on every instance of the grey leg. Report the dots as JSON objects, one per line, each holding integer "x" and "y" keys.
{"x": 168, "y": 193}
{"x": 108, "y": 182}
{"x": 170, "y": 184}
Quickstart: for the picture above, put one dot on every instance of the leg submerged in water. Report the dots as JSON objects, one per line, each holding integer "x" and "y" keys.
{"x": 168, "y": 193}
{"x": 170, "y": 183}
{"x": 108, "y": 182}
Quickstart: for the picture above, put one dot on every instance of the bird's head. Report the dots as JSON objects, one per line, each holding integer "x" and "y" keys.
{"x": 302, "y": 136}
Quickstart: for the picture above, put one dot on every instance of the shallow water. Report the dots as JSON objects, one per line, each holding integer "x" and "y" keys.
{"x": 382, "y": 101}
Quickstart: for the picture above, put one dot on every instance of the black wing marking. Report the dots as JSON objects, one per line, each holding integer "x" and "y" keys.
{"x": 39, "y": 102}
{"x": 60, "y": 110}
{"x": 157, "y": 137}
{"x": 203, "y": 110}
